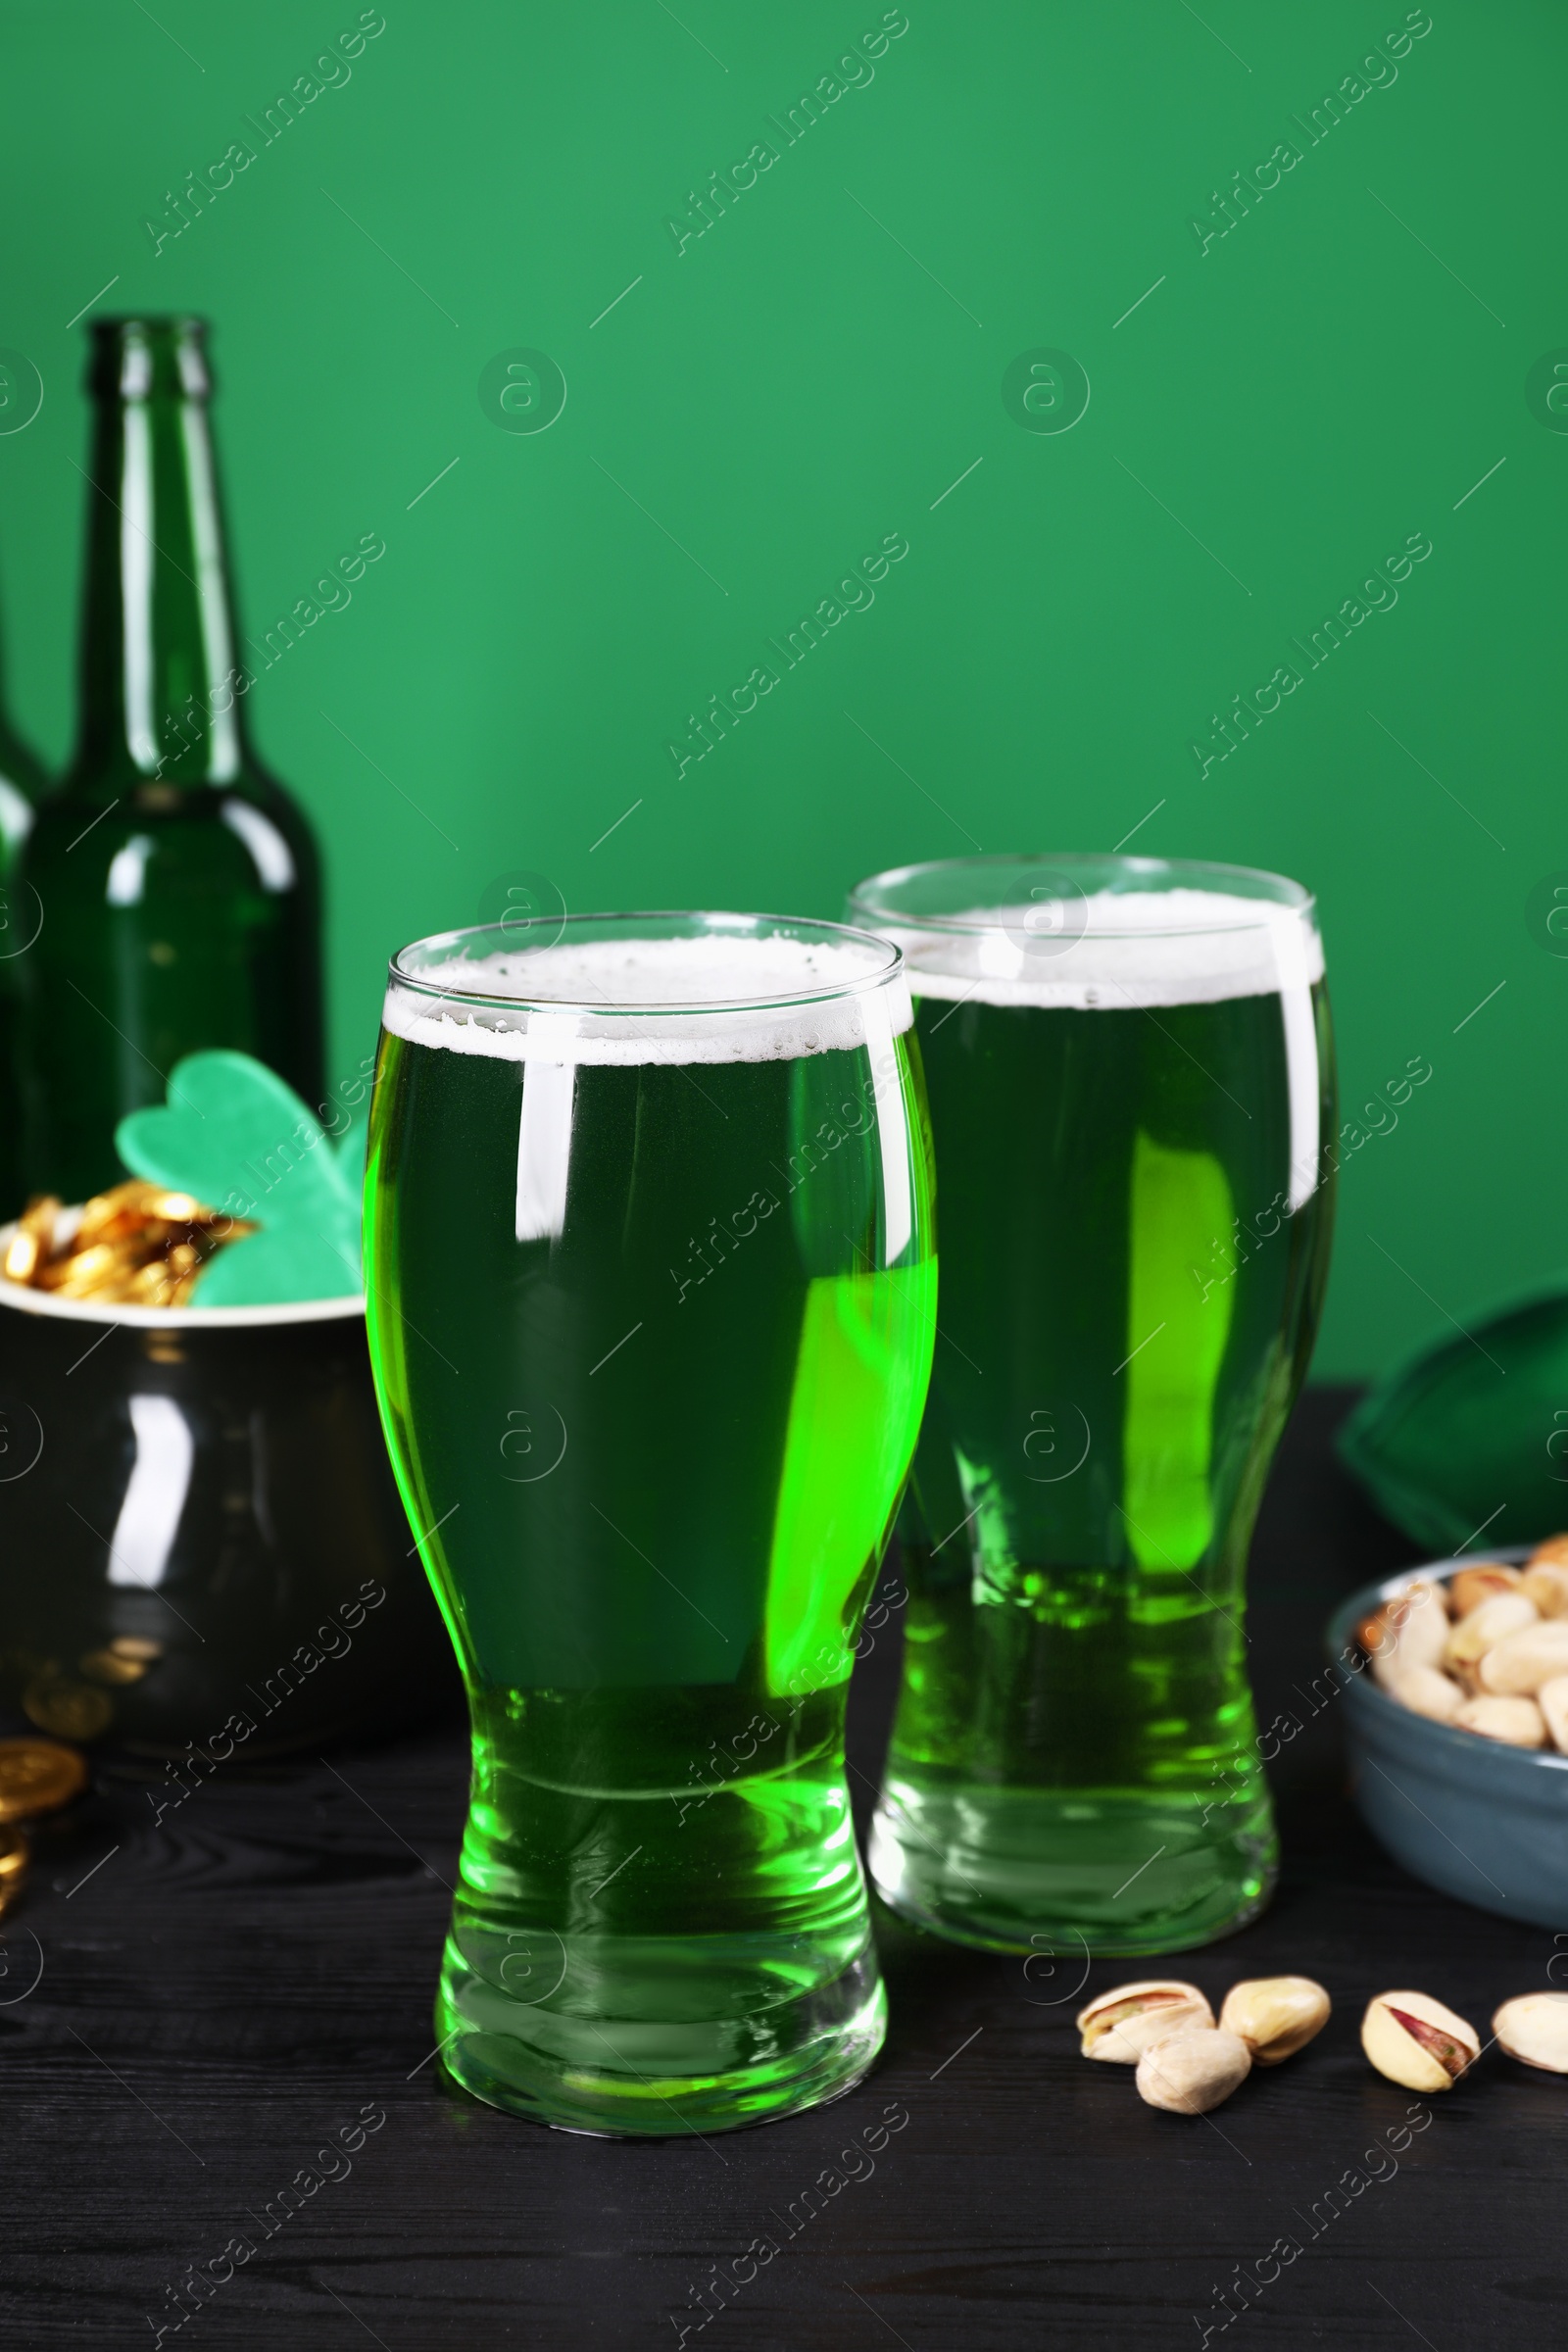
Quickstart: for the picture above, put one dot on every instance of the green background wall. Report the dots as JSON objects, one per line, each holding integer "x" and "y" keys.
{"x": 763, "y": 406}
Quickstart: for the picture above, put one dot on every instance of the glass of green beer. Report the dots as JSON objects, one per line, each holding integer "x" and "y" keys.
{"x": 651, "y": 1288}
{"x": 1130, "y": 1073}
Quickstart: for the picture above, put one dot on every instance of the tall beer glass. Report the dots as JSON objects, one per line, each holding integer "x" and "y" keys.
{"x": 1130, "y": 1078}
{"x": 652, "y": 1294}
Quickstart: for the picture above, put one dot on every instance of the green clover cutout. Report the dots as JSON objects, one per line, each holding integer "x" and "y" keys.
{"x": 237, "y": 1138}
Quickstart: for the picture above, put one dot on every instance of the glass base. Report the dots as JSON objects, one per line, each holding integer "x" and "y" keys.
{"x": 652, "y": 2036}
{"x": 1119, "y": 1871}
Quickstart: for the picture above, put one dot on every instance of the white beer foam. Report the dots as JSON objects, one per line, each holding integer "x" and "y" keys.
{"x": 1103, "y": 954}
{"x": 558, "y": 989}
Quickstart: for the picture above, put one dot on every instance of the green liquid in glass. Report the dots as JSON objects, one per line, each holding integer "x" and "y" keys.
{"x": 1126, "y": 1315}
{"x": 656, "y": 1456}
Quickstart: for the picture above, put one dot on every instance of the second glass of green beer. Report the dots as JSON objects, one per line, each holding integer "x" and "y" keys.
{"x": 1130, "y": 1079}
{"x": 651, "y": 1306}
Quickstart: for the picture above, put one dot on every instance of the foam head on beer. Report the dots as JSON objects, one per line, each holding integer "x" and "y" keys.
{"x": 716, "y": 999}
{"x": 1110, "y": 951}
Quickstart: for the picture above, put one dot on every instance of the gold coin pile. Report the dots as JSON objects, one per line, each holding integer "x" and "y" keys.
{"x": 138, "y": 1245}
{"x": 35, "y": 1776}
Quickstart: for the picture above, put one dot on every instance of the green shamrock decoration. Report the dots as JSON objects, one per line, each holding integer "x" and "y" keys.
{"x": 237, "y": 1138}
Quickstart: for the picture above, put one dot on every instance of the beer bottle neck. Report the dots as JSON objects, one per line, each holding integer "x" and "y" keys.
{"x": 159, "y": 667}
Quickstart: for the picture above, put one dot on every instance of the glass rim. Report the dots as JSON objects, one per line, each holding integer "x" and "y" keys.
{"x": 715, "y": 922}
{"x": 1289, "y": 895}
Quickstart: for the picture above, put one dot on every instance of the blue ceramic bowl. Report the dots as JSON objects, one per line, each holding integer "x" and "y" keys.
{"x": 1471, "y": 1817}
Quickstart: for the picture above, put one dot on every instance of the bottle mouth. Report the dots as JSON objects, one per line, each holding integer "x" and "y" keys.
{"x": 137, "y": 357}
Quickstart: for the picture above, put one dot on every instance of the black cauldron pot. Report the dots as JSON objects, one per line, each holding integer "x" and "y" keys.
{"x": 202, "y": 1548}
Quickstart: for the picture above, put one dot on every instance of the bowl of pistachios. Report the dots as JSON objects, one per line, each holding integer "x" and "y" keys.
{"x": 1454, "y": 1684}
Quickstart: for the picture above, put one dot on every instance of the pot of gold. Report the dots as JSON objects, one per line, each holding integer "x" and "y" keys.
{"x": 203, "y": 1554}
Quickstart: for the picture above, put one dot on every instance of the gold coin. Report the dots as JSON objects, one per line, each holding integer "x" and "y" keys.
{"x": 151, "y": 1284}
{"x": 15, "y": 1853}
{"x": 33, "y": 1240}
{"x": 119, "y": 1210}
{"x": 36, "y": 1777}
{"x": 84, "y": 1271}
{"x": 105, "y": 1666}
{"x": 70, "y": 1710}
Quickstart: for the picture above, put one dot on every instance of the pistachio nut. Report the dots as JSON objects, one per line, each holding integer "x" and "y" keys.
{"x": 1521, "y": 1662}
{"x": 1516, "y": 1722}
{"x": 1552, "y": 1700}
{"x": 1415, "y": 2041}
{"x": 1120, "y": 2024}
{"x": 1425, "y": 1692}
{"x": 1487, "y": 1623}
{"x": 1545, "y": 1582}
{"x": 1275, "y": 2016}
{"x": 1193, "y": 2070}
{"x": 1554, "y": 1547}
{"x": 1411, "y": 1629}
{"x": 1373, "y": 1632}
{"x": 1469, "y": 1587}
{"x": 1535, "y": 2028}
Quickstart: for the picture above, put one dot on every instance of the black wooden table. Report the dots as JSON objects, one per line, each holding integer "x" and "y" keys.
{"x": 240, "y": 2001}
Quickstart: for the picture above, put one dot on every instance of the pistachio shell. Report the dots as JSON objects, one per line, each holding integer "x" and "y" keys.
{"x": 1554, "y": 1547}
{"x": 1410, "y": 1630}
{"x": 1478, "y": 1583}
{"x": 1426, "y": 1691}
{"x": 1413, "y": 2039}
{"x": 1545, "y": 1582}
{"x": 1516, "y": 1722}
{"x": 1424, "y": 1630}
{"x": 1552, "y": 1700}
{"x": 1119, "y": 2025}
{"x": 1534, "y": 2028}
{"x": 1487, "y": 1623}
{"x": 1192, "y": 2071}
{"x": 1521, "y": 1662}
{"x": 1275, "y": 2016}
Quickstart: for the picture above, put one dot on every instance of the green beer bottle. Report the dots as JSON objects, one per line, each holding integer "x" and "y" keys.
{"x": 22, "y": 784}
{"x": 178, "y": 883}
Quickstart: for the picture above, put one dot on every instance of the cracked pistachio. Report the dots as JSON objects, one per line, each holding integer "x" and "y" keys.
{"x": 1415, "y": 2041}
{"x": 1472, "y": 1585}
{"x": 1490, "y": 1621}
{"x": 1554, "y": 1547}
{"x": 1518, "y": 1664}
{"x": 1516, "y": 1722}
{"x": 1410, "y": 1630}
{"x": 1193, "y": 2070}
{"x": 1275, "y": 2016}
{"x": 1120, "y": 2024}
{"x": 1545, "y": 1582}
{"x": 1535, "y": 2028}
